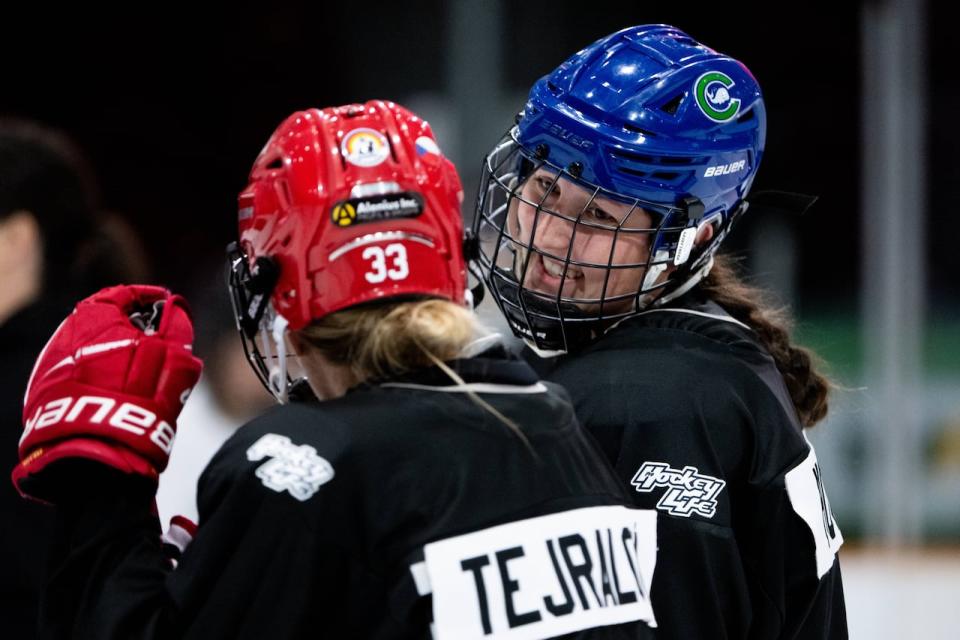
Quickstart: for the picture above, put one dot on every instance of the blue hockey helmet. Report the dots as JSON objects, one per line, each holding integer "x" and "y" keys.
{"x": 648, "y": 117}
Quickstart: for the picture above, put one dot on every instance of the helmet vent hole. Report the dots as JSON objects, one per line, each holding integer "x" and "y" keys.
{"x": 554, "y": 89}
{"x": 673, "y": 104}
{"x": 286, "y": 241}
{"x": 745, "y": 117}
{"x": 665, "y": 175}
{"x": 276, "y": 163}
{"x": 393, "y": 152}
{"x": 635, "y": 129}
{"x": 635, "y": 172}
{"x": 675, "y": 160}
{"x": 635, "y": 157}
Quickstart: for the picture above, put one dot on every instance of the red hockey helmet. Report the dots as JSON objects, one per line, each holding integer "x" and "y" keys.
{"x": 346, "y": 205}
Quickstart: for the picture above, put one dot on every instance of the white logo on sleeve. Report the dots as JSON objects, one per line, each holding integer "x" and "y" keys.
{"x": 296, "y": 469}
{"x": 809, "y": 500}
{"x": 687, "y": 491}
{"x": 543, "y": 577}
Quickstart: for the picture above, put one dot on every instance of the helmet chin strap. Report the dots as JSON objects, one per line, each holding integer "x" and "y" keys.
{"x": 687, "y": 244}
{"x": 691, "y": 282}
{"x": 273, "y": 330}
{"x": 278, "y": 372}
{"x": 543, "y": 353}
{"x": 653, "y": 274}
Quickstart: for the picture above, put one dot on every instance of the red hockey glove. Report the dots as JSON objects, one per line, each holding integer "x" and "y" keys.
{"x": 108, "y": 388}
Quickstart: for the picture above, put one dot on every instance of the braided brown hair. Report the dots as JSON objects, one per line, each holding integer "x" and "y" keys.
{"x": 808, "y": 388}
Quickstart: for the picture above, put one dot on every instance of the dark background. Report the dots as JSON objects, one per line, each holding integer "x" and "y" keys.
{"x": 172, "y": 103}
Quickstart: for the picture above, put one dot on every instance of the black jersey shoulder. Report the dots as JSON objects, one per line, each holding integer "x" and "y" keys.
{"x": 419, "y": 441}
{"x": 689, "y": 378}
{"x": 378, "y": 411}
{"x": 699, "y": 340}
{"x": 699, "y": 320}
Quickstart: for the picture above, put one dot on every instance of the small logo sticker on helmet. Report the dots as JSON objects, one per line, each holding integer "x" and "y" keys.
{"x": 344, "y": 214}
{"x": 365, "y": 147}
{"x": 426, "y": 145}
{"x": 386, "y": 207}
{"x": 712, "y": 92}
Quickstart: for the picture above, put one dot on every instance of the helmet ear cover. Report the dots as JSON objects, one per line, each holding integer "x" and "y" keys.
{"x": 250, "y": 288}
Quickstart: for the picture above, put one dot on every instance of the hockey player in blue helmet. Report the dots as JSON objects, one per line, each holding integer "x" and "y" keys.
{"x": 598, "y": 222}
{"x": 661, "y": 137}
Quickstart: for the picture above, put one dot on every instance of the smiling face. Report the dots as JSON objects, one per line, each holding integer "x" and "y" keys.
{"x": 608, "y": 243}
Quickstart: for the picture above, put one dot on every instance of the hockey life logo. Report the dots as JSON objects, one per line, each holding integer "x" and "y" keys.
{"x": 687, "y": 492}
{"x": 296, "y": 469}
{"x": 712, "y": 93}
{"x": 365, "y": 147}
{"x": 542, "y": 577}
{"x": 387, "y": 207}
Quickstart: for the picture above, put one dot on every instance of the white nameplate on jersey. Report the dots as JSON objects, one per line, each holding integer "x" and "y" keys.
{"x": 296, "y": 469}
{"x": 687, "y": 492}
{"x": 545, "y": 576}
{"x": 809, "y": 500}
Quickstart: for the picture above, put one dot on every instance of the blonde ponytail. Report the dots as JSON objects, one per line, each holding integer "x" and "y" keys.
{"x": 388, "y": 339}
{"x": 392, "y": 338}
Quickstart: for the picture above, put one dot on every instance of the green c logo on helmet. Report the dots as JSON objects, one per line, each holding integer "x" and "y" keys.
{"x": 713, "y": 96}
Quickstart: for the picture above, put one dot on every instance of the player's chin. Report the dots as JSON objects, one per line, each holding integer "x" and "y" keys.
{"x": 609, "y": 309}
{"x": 594, "y": 299}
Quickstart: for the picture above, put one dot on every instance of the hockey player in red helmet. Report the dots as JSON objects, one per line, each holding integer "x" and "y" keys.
{"x": 345, "y": 206}
{"x": 436, "y": 489}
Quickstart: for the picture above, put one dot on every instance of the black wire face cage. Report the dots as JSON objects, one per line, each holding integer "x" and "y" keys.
{"x": 250, "y": 295}
{"x": 560, "y": 292}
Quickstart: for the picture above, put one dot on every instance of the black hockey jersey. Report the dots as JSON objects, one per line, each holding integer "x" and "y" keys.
{"x": 404, "y": 509}
{"x": 699, "y": 425}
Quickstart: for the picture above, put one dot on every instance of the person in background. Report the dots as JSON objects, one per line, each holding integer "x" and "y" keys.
{"x": 55, "y": 247}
